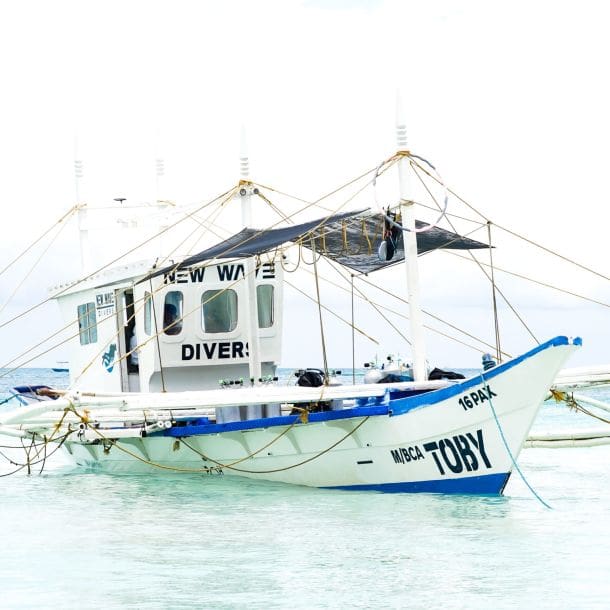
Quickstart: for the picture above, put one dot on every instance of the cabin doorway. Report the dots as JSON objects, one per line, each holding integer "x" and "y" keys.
{"x": 129, "y": 341}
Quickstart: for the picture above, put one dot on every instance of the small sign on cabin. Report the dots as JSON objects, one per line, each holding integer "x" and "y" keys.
{"x": 104, "y": 304}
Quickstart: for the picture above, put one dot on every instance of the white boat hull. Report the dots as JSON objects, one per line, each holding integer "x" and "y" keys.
{"x": 458, "y": 439}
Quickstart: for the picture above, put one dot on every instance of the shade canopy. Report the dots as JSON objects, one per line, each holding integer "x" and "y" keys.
{"x": 350, "y": 238}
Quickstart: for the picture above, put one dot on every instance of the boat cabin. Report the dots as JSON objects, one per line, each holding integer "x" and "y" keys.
{"x": 186, "y": 328}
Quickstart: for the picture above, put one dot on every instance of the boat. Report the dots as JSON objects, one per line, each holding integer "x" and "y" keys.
{"x": 173, "y": 368}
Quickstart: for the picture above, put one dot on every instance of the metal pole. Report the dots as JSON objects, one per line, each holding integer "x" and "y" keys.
{"x": 245, "y": 192}
{"x": 410, "y": 244}
{"x": 353, "y": 337}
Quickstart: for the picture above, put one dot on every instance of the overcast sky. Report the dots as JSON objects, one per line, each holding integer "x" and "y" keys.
{"x": 508, "y": 99}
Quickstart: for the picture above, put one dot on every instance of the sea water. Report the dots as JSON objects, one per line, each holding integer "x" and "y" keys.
{"x": 73, "y": 539}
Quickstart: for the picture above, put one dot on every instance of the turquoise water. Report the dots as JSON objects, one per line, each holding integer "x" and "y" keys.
{"x": 81, "y": 540}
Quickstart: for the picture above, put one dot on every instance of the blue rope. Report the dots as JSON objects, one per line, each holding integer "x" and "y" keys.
{"x": 511, "y": 455}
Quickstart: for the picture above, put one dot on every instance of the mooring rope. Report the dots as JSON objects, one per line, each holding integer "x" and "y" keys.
{"x": 516, "y": 466}
{"x": 86, "y": 420}
{"x": 574, "y": 405}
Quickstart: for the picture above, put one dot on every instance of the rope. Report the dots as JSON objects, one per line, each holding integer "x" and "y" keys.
{"x": 26, "y": 275}
{"x": 35, "y": 462}
{"x": 315, "y": 457}
{"x": 274, "y": 207}
{"x": 493, "y": 297}
{"x": 64, "y": 217}
{"x": 529, "y": 241}
{"x": 473, "y": 257}
{"x": 330, "y": 311}
{"x": 142, "y": 304}
{"x": 114, "y": 443}
{"x": 316, "y": 203}
{"x": 324, "y": 358}
{"x": 228, "y": 194}
{"x": 112, "y": 262}
{"x": 154, "y": 312}
{"x": 378, "y": 306}
{"x": 431, "y": 315}
{"x": 574, "y": 405}
{"x": 516, "y": 466}
{"x": 298, "y": 263}
{"x": 404, "y": 153}
{"x": 299, "y": 418}
{"x": 529, "y": 279}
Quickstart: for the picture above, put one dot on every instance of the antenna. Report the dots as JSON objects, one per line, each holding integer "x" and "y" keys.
{"x": 83, "y": 230}
{"x": 251, "y": 321}
{"x": 401, "y": 125}
{"x": 78, "y": 170}
{"x": 244, "y": 162}
{"x": 410, "y": 246}
{"x": 245, "y": 189}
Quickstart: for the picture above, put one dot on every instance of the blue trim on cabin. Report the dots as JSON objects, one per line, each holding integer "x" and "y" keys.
{"x": 484, "y": 485}
{"x": 402, "y": 405}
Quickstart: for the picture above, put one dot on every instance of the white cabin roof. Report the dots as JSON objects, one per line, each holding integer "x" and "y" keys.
{"x": 113, "y": 276}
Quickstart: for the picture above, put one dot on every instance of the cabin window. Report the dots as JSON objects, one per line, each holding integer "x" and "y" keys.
{"x": 264, "y": 299}
{"x": 172, "y": 313}
{"x": 147, "y": 313}
{"x": 87, "y": 323}
{"x": 219, "y": 311}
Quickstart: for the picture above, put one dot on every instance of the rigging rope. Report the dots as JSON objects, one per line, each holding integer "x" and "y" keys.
{"x": 493, "y": 296}
{"x": 574, "y": 405}
{"x": 504, "y": 441}
{"x": 112, "y": 262}
{"x": 69, "y": 213}
{"x": 364, "y": 297}
{"x": 149, "y": 462}
{"x": 310, "y": 459}
{"x": 531, "y": 242}
{"x": 497, "y": 289}
{"x": 324, "y": 358}
{"x": 26, "y": 275}
{"x": 538, "y": 282}
{"x": 331, "y": 311}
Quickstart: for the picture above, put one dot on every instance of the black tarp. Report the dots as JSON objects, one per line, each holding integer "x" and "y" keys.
{"x": 350, "y": 238}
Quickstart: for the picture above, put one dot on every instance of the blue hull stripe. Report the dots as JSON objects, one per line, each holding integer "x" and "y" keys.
{"x": 268, "y": 422}
{"x": 402, "y": 405}
{"x": 393, "y": 403}
{"x": 485, "y": 485}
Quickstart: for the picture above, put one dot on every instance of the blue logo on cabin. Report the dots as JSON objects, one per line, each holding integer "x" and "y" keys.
{"x": 108, "y": 357}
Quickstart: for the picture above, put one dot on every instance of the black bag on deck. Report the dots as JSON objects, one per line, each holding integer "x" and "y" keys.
{"x": 311, "y": 378}
{"x": 440, "y": 374}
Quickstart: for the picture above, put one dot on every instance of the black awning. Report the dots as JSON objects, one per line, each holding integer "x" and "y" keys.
{"x": 357, "y": 243}
{"x": 351, "y": 238}
{"x": 250, "y": 242}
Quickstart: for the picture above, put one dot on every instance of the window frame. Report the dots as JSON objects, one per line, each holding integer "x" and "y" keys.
{"x": 148, "y": 314}
{"x": 259, "y": 289}
{"x": 87, "y": 330}
{"x": 178, "y": 327}
{"x": 220, "y": 293}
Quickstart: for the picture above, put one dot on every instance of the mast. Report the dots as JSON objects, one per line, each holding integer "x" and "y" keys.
{"x": 160, "y": 202}
{"x": 245, "y": 192}
{"x": 83, "y": 229}
{"x": 410, "y": 244}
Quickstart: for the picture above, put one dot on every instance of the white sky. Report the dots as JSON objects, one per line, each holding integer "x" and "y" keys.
{"x": 509, "y": 100}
